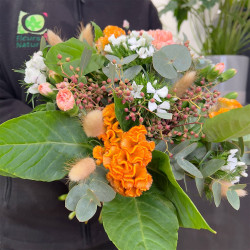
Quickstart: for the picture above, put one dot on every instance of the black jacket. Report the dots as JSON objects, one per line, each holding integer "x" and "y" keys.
{"x": 31, "y": 217}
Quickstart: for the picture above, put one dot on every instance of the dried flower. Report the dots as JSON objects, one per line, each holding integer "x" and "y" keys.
{"x": 53, "y": 38}
{"x": 82, "y": 169}
{"x": 93, "y": 123}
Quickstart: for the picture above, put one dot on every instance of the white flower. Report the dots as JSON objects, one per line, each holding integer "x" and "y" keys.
{"x": 36, "y": 61}
{"x": 33, "y": 89}
{"x": 160, "y": 108}
{"x": 142, "y": 52}
{"x": 108, "y": 48}
{"x": 134, "y": 33}
{"x": 148, "y": 37}
{"x": 136, "y": 92}
{"x": 157, "y": 93}
{"x": 33, "y": 75}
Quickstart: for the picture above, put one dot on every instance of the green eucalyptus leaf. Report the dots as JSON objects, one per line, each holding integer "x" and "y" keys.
{"x": 111, "y": 58}
{"x": 216, "y": 188}
{"x": 107, "y": 71}
{"x": 85, "y": 58}
{"x": 112, "y": 72}
{"x": 238, "y": 186}
{"x": 98, "y": 31}
{"x": 188, "y": 215}
{"x": 233, "y": 199}
{"x": 232, "y": 124}
{"x": 180, "y": 147}
{"x": 102, "y": 190}
{"x": 37, "y": 145}
{"x": 73, "y": 48}
{"x": 93, "y": 197}
{"x": 75, "y": 194}
{"x": 132, "y": 72}
{"x": 200, "y": 185}
{"x": 212, "y": 166}
{"x": 170, "y": 59}
{"x": 161, "y": 146}
{"x": 178, "y": 172}
{"x": 189, "y": 167}
{"x": 128, "y": 59}
{"x": 241, "y": 145}
{"x": 186, "y": 151}
{"x": 85, "y": 209}
{"x": 145, "y": 222}
{"x": 42, "y": 43}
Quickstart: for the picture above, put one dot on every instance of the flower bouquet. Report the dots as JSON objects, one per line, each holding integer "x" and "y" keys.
{"x": 125, "y": 115}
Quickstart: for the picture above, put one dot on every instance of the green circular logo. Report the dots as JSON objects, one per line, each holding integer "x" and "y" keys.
{"x": 34, "y": 22}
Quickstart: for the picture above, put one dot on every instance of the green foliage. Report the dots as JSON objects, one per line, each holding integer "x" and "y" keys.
{"x": 121, "y": 114}
{"x": 73, "y": 48}
{"x": 42, "y": 43}
{"x": 200, "y": 185}
{"x": 211, "y": 166}
{"x": 122, "y": 61}
{"x": 170, "y": 59}
{"x": 98, "y": 31}
{"x": 216, "y": 189}
{"x": 188, "y": 215}
{"x": 83, "y": 198}
{"x": 36, "y": 146}
{"x": 232, "y": 124}
{"x": 132, "y": 72}
{"x": 146, "y": 222}
{"x": 233, "y": 199}
{"x": 85, "y": 58}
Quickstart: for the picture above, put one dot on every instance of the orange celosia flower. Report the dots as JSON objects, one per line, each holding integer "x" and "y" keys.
{"x": 109, "y": 31}
{"x": 126, "y": 155}
{"x": 223, "y": 105}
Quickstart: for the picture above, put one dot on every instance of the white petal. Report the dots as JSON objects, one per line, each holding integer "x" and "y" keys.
{"x": 232, "y": 159}
{"x": 164, "y": 105}
{"x": 152, "y": 106}
{"x": 159, "y": 110}
{"x": 244, "y": 174}
{"x": 150, "y": 88}
{"x": 240, "y": 163}
{"x": 108, "y": 48}
{"x": 233, "y": 151}
{"x": 33, "y": 89}
{"x": 157, "y": 98}
{"x": 162, "y": 92}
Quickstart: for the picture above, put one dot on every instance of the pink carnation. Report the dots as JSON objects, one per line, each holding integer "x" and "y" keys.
{"x": 161, "y": 38}
{"x": 45, "y": 89}
{"x": 220, "y": 67}
{"x": 65, "y": 100}
{"x": 62, "y": 85}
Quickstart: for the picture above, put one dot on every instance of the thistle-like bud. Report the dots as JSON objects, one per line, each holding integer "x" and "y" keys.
{"x": 93, "y": 123}
{"x": 82, "y": 169}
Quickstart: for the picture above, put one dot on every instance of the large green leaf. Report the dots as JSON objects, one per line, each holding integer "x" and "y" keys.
{"x": 73, "y": 48}
{"x": 232, "y": 124}
{"x": 146, "y": 222}
{"x": 188, "y": 215}
{"x": 37, "y": 146}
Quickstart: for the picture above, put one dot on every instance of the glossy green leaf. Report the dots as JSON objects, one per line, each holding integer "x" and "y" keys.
{"x": 170, "y": 59}
{"x": 188, "y": 215}
{"x": 36, "y": 146}
{"x": 121, "y": 114}
{"x": 211, "y": 167}
{"x": 233, "y": 199}
{"x": 73, "y": 48}
{"x": 216, "y": 188}
{"x": 98, "y": 31}
{"x": 42, "y": 43}
{"x": 232, "y": 124}
{"x": 85, "y": 209}
{"x": 146, "y": 222}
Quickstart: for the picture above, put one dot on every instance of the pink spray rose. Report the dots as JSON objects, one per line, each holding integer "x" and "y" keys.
{"x": 65, "y": 100}
{"x": 46, "y": 89}
{"x": 220, "y": 67}
{"x": 161, "y": 38}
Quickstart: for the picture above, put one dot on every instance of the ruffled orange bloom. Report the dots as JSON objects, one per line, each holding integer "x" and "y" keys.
{"x": 109, "y": 31}
{"x": 125, "y": 155}
{"x": 223, "y": 105}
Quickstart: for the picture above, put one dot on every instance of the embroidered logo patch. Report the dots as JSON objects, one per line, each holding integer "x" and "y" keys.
{"x": 29, "y": 29}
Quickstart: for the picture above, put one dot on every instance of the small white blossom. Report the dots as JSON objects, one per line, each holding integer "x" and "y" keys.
{"x": 33, "y": 89}
{"x": 136, "y": 92}
{"x": 108, "y": 48}
{"x": 160, "y": 108}
{"x": 36, "y": 61}
{"x": 157, "y": 93}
